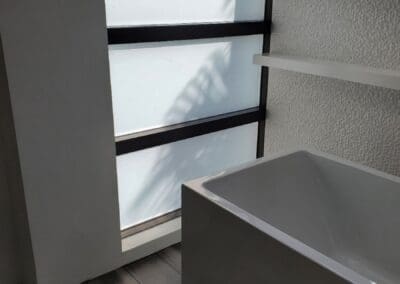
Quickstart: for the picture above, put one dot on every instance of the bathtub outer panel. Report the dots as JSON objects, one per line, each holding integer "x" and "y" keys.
{"x": 218, "y": 247}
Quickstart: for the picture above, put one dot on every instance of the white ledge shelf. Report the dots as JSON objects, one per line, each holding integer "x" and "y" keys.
{"x": 342, "y": 71}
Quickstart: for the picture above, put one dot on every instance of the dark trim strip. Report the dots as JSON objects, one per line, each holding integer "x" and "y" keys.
{"x": 150, "y": 224}
{"x": 264, "y": 80}
{"x": 184, "y": 32}
{"x": 164, "y": 135}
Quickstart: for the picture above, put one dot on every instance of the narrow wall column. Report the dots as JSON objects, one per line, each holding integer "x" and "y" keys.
{"x": 56, "y": 60}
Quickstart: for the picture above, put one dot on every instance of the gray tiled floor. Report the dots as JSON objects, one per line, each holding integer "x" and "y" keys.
{"x": 161, "y": 268}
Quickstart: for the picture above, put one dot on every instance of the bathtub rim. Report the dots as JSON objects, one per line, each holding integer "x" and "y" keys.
{"x": 199, "y": 186}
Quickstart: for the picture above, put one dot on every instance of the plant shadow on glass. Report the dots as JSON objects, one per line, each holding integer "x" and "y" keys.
{"x": 154, "y": 180}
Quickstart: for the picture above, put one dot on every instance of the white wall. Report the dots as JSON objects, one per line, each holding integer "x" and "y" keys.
{"x": 16, "y": 259}
{"x": 357, "y": 122}
{"x": 56, "y": 60}
{"x": 8, "y": 245}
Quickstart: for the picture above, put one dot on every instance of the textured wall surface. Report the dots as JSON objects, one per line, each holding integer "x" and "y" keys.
{"x": 354, "y": 121}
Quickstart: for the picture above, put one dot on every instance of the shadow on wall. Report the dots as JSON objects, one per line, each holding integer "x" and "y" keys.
{"x": 167, "y": 167}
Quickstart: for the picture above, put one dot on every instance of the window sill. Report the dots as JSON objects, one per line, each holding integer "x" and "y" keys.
{"x": 150, "y": 241}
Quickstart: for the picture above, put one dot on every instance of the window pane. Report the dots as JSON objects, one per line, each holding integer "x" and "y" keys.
{"x": 150, "y": 180}
{"x": 151, "y": 12}
{"x": 159, "y": 84}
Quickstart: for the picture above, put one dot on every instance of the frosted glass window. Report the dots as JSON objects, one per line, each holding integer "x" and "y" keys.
{"x": 150, "y": 12}
{"x": 159, "y": 84}
{"x": 149, "y": 181}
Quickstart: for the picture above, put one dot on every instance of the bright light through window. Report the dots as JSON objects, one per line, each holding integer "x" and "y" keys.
{"x": 159, "y": 84}
{"x": 155, "y": 12}
{"x": 198, "y": 80}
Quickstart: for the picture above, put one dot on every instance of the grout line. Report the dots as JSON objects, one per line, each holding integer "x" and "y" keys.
{"x": 132, "y": 275}
{"x": 164, "y": 259}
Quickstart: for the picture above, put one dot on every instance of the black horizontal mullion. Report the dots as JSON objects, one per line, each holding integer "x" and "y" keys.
{"x": 164, "y": 135}
{"x": 157, "y": 33}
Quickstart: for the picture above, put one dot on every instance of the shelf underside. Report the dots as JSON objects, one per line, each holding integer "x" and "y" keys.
{"x": 342, "y": 71}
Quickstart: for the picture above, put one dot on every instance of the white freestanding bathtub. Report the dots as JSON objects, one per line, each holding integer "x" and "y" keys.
{"x": 303, "y": 217}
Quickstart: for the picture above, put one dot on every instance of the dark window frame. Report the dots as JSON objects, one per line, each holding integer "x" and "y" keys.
{"x": 155, "y": 137}
{"x": 159, "y": 33}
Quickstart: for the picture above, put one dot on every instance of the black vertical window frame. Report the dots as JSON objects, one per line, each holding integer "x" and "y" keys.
{"x": 164, "y": 135}
{"x": 264, "y": 80}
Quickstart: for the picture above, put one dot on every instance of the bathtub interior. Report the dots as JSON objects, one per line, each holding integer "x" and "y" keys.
{"x": 348, "y": 214}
